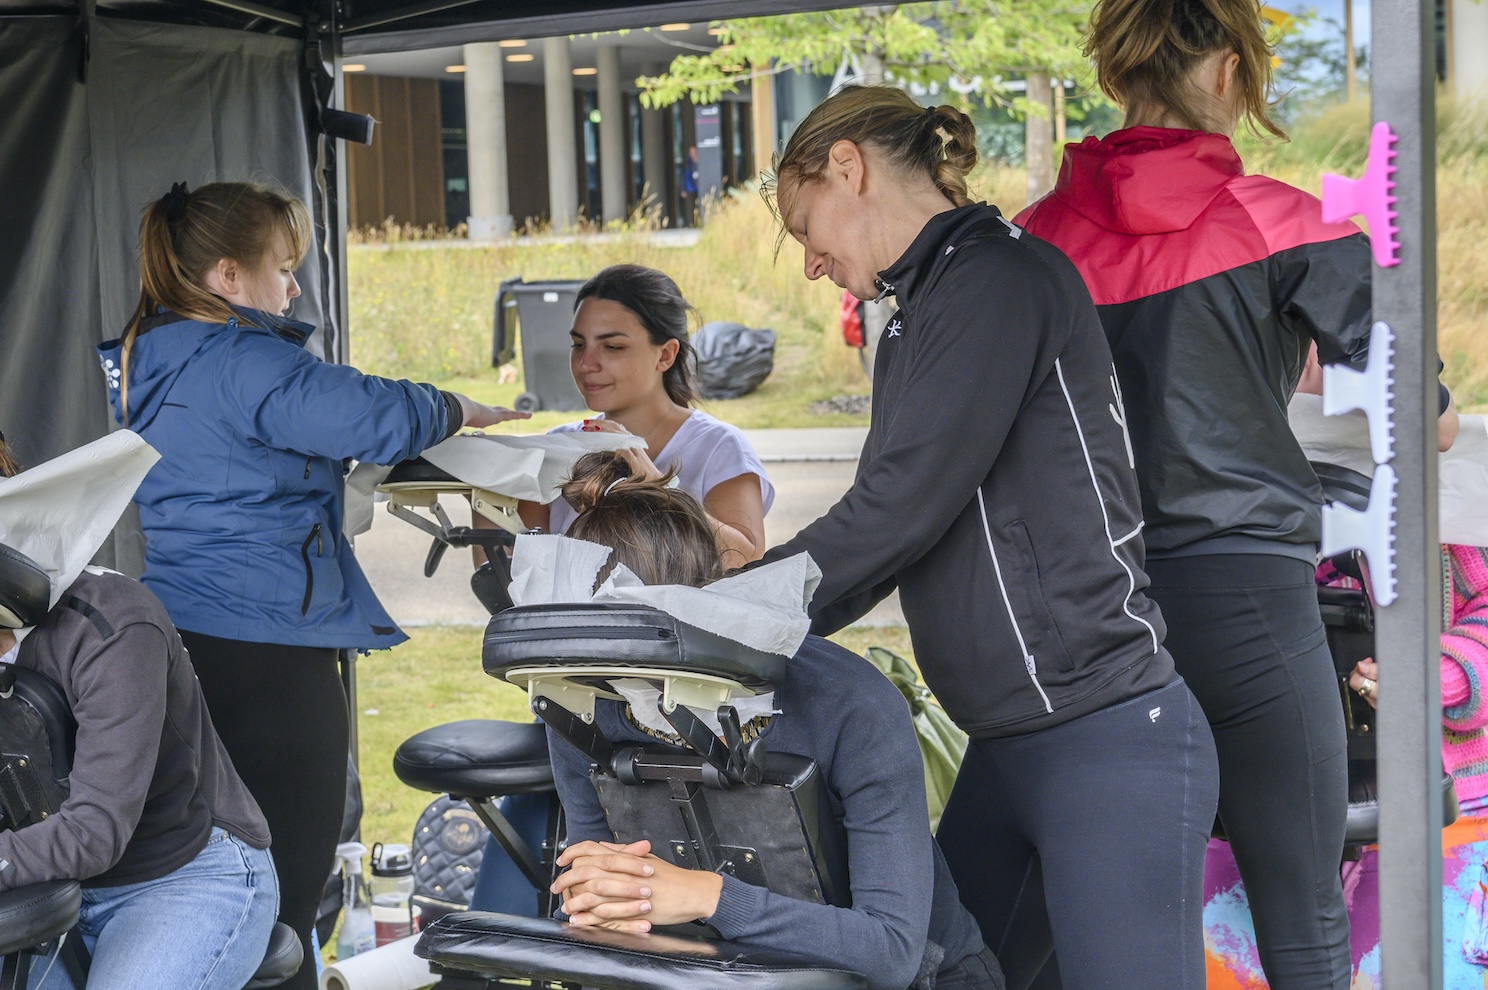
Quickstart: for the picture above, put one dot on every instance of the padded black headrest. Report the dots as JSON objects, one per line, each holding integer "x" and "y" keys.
{"x": 1343, "y": 485}
{"x": 622, "y": 636}
{"x": 25, "y": 589}
{"x": 416, "y": 470}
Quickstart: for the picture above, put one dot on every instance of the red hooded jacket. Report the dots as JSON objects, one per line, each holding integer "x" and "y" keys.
{"x": 1210, "y": 285}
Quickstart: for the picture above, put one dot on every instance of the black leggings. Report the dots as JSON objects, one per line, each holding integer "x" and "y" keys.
{"x": 1118, "y": 806}
{"x": 281, "y": 713}
{"x": 1245, "y": 632}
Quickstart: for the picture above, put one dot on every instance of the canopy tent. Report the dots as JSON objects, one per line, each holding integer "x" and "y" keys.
{"x": 106, "y": 102}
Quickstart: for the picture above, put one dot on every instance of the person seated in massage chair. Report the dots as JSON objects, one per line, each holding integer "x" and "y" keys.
{"x": 179, "y": 889}
{"x": 906, "y": 926}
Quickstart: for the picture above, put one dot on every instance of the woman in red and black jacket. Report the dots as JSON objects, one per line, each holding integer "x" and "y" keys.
{"x": 1210, "y": 284}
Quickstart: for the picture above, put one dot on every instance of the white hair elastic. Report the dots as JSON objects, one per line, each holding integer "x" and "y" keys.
{"x": 612, "y": 486}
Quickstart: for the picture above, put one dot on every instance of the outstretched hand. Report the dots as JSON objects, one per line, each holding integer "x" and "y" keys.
{"x": 479, "y": 414}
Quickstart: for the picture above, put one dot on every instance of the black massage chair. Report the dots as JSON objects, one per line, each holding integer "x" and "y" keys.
{"x": 716, "y": 805}
{"x": 720, "y": 805}
{"x": 37, "y": 736}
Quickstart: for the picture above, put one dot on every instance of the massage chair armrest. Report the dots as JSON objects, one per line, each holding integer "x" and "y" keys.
{"x": 543, "y": 949}
{"x": 37, "y": 913}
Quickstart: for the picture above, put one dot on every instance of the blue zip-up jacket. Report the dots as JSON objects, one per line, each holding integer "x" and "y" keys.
{"x": 242, "y": 514}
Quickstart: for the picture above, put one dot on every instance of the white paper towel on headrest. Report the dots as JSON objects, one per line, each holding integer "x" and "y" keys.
{"x": 1462, "y": 472}
{"x": 529, "y": 468}
{"x": 763, "y": 608}
{"x": 59, "y": 513}
{"x": 642, "y": 697}
{"x": 388, "y": 967}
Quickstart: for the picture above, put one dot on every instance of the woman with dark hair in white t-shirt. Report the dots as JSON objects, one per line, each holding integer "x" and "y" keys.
{"x": 632, "y": 363}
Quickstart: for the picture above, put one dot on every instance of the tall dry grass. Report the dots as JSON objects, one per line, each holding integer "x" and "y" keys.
{"x": 1337, "y": 141}
{"x": 423, "y": 309}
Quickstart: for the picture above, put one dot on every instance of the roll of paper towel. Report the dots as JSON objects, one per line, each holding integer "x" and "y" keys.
{"x": 389, "y": 967}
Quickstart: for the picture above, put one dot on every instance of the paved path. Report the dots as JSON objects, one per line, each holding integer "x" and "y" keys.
{"x": 809, "y": 468}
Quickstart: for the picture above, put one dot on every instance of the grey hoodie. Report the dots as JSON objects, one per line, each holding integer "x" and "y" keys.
{"x": 150, "y": 777}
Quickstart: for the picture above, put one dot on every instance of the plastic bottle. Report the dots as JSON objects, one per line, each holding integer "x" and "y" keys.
{"x": 358, "y": 933}
{"x": 392, "y": 890}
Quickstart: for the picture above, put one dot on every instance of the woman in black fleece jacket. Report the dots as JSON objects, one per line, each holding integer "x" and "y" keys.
{"x": 904, "y": 927}
{"x": 996, "y": 492}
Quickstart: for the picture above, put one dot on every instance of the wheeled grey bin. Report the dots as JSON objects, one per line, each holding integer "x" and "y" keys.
{"x": 543, "y": 311}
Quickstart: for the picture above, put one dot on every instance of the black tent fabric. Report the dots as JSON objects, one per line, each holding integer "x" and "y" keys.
{"x": 85, "y": 142}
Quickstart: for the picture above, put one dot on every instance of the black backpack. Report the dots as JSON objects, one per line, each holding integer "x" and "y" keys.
{"x": 38, "y": 734}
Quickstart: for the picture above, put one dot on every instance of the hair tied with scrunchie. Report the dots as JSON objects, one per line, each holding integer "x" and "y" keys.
{"x": 175, "y": 202}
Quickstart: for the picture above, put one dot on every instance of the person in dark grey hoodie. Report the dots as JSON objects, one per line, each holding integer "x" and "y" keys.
{"x": 179, "y": 888}
{"x": 996, "y": 491}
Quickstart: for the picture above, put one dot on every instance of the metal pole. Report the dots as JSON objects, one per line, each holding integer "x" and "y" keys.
{"x": 340, "y": 306}
{"x": 1402, "y": 91}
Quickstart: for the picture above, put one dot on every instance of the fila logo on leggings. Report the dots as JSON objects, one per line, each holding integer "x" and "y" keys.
{"x": 1154, "y": 713}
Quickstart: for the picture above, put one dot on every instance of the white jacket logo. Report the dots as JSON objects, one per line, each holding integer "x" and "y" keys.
{"x": 1118, "y": 413}
{"x": 893, "y": 330}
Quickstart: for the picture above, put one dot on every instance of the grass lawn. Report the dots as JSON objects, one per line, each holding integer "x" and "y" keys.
{"x": 436, "y": 677}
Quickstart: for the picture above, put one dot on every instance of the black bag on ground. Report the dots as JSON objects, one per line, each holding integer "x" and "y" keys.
{"x": 448, "y": 843}
{"x": 732, "y": 359}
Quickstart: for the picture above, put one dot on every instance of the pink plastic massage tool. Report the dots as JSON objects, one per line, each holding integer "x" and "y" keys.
{"x": 1369, "y": 197}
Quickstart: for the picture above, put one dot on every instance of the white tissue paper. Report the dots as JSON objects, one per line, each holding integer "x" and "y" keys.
{"x": 763, "y": 608}
{"x": 548, "y": 569}
{"x": 59, "y": 513}
{"x": 1462, "y": 471}
{"x": 529, "y": 468}
{"x": 642, "y": 697}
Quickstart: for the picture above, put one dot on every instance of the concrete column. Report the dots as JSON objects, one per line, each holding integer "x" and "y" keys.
{"x": 613, "y": 148}
{"x": 563, "y": 169}
{"x": 654, "y": 148}
{"x": 1468, "y": 42}
{"x": 762, "y": 114}
{"x": 485, "y": 143}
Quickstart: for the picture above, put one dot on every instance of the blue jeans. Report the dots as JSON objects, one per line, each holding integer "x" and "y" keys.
{"x": 204, "y": 926}
{"x": 500, "y": 885}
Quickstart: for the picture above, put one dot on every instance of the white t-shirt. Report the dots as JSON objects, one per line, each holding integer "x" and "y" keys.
{"x": 705, "y": 451}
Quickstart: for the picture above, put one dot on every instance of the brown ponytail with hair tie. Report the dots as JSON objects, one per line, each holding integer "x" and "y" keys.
{"x": 183, "y": 235}
{"x": 660, "y": 533}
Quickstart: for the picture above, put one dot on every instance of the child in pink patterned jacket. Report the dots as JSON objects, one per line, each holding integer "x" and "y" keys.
{"x": 1228, "y": 935}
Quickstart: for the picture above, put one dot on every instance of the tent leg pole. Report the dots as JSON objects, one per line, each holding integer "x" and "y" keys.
{"x": 1403, "y": 90}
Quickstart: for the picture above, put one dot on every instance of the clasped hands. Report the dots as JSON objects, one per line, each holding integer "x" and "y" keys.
{"x": 626, "y": 888}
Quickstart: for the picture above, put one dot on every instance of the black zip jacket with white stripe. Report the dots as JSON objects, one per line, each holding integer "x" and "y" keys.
{"x": 996, "y": 488}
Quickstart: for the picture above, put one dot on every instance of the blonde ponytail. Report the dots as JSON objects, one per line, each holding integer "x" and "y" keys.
{"x": 1145, "y": 52}
{"x": 183, "y": 234}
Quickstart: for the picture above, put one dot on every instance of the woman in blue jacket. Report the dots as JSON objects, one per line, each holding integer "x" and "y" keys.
{"x": 243, "y": 513}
